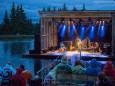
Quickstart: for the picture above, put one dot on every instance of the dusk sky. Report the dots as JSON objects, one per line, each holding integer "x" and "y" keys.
{"x": 32, "y": 7}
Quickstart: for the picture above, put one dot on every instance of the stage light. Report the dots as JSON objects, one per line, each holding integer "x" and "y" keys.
{"x": 92, "y": 33}
{"x": 63, "y": 31}
{"x": 82, "y": 32}
{"x": 72, "y": 32}
{"x": 102, "y": 33}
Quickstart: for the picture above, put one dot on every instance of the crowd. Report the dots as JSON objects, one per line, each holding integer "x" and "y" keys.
{"x": 10, "y": 76}
{"x": 22, "y": 77}
{"x": 92, "y": 70}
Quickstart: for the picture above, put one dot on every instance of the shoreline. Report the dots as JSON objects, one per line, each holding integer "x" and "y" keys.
{"x": 16, "y": 36}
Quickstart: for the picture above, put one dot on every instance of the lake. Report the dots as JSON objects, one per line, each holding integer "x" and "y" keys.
{"x": 12, "y": 50}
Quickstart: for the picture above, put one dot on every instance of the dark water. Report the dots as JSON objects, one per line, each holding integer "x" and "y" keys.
{"x": 12, "y": 50}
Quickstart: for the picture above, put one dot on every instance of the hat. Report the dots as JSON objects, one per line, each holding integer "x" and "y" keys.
{"x": 9, "y": 62}
{"x": 22, "y": 66}
{"x": 64, "y": 59}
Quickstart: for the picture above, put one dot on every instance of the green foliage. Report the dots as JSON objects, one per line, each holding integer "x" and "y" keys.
{"x": 48, "y": 9}
{"x": 83, "y": 9}
{"x": 54, "y": 9}
{"x": 17, "y": 22}
{"x": 64, "y": 7}
{"x": 43, "y": 9}
{"x": 74, "y": 8}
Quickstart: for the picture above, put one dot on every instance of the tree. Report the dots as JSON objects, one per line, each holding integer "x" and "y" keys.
{"x": 64, "y": 7}
{"x": 83, "y": 9}
{"x": 17, "y": 22}
{"x": 20, "y": 20}
{"x": 6, "y": 23}
{"x": 54, "y": 9}
{"x": 48, "y": 9}
{"x": 74, "y": 8}
{"x": 43, "y": 9}
{"x": 13, "y": 18}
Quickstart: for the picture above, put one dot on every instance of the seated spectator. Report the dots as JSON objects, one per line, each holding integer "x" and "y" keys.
{"x": 79, "y": 68}
{"x": 102, "y": 80}
{"x": 52, "y": 74}
{"x": 35, "y": 81}
{"x": 7, "y": 73}
{"x": 93, "y": 70}
{"x": 109, "y": 70}
{"x": 18, "y": 79}
{"x": 26, "y": 73}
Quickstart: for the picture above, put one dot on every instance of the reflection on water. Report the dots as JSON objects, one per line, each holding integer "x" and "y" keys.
{"x": 13, "y": 50}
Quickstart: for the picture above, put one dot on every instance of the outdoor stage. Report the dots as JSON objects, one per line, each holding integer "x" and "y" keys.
{"x": 85, "y": 55}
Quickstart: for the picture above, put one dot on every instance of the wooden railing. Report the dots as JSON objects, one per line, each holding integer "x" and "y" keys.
{"x": 72, "y": 80}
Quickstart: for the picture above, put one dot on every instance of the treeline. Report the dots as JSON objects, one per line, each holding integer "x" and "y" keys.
{"x": 63, "y": 8}
{"x": 17, "y": 22}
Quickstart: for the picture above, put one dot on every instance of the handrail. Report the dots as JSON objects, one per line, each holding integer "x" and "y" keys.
{"x": 48, "y": 65}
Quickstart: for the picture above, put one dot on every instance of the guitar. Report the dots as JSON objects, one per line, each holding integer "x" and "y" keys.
{"x": 71, "y": 47}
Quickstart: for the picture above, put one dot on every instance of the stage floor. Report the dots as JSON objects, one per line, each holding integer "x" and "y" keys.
{"x": 76, "y": 52}
{"x": 85, "y": 55}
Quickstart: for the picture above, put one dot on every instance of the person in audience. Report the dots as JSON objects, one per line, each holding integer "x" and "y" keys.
{"x": 102, "y": 80}
{"x": 35, "y": 81}
{"x": 7, "y": 73}
{"x": 52, "y": 74}
{"x": 26, "y": 73}
{"x": 93, "y": 70}
{"x": 9, "y": 66}
{"x": 109, "y": 70}
{"x": 18, "y": 79}
{"x": 79, "y": 68}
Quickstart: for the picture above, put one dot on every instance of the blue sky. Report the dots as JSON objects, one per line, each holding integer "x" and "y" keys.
{"x": 31, "y": 7}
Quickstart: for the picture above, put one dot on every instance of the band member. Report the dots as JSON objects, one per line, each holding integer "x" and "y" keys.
{"x": 71, "y": 46}
{"x": 79, "y": 44}
{"x": 62, "y": 47}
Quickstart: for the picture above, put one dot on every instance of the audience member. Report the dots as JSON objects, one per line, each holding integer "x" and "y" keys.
{"x": 52, "y": 74}
{"x": 109, "y": 70}
{"x": 79, "y": 68}
{"x": 93, "y": 70}
{"x": 26, "y": 73}
{"x": 102, "y": 80}
{"x": 35, "y": 81}
{"x": 7, "y": 73}
{"x": 18, "y": 79}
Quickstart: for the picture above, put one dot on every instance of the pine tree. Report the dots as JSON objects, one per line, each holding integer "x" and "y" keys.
{"x": 6, "y": 23}
{"x": 43, "y": 9}
{"x": 13, "y": 18}
{"x": 74, "y": 8}
{"x": 48, "y": 9}
{"x": 54, "y": 9}
{"x": 64, "y": 7}
{"x": 83, "y": 9}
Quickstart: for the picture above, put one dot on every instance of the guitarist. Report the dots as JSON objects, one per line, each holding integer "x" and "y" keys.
{"x": 71, "y": 46}
{"x": 79, "y": 44}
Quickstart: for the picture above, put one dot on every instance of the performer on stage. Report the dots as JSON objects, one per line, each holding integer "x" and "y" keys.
{"x": 79, "y": 44}
{"x": 71, "y": 46}
{"x": 62, "y": 47}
